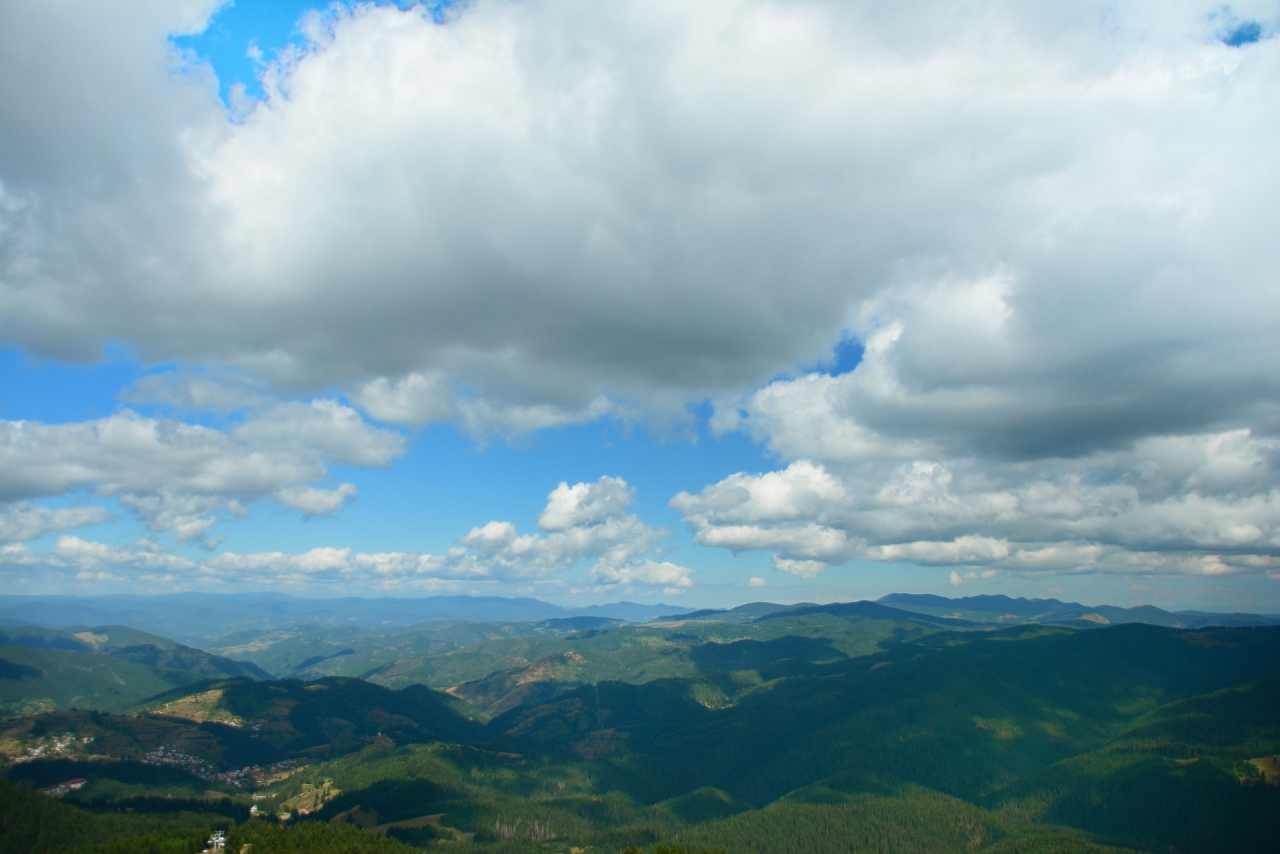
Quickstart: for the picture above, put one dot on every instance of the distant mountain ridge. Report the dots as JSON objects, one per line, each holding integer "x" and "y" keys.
{"x": 197, "y": 618}
{"x": 1004, "y": 610}
{"x": 985, "y": 611}
{"x": 868, "y": 610}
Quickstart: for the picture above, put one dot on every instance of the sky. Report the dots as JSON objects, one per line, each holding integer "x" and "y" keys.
{"x": 701, "y": 303}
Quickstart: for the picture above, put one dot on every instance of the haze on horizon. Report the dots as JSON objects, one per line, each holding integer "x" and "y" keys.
{"x": 693, "y": 303}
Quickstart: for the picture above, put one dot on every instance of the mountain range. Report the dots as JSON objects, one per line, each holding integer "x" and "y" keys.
{"x": 198, "y": 618}
{"x": 912, "y": 724}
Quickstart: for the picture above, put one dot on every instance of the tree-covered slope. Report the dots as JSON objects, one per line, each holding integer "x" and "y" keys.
{"x": 1190, "y": 759}
{"x": 35, "y": 824}
{"x": 505, "y": 673}
{"x": 36, "y": 680}
{"x": 960, "y": 713}
{"x": 336, "y": 715}
{"x": 270, "y": 721}
{"x": 132, "y": 645}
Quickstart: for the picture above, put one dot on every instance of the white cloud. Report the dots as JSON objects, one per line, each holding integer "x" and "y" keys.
{"x": 322, "y": 426}
{"x": 312, "y": 501}
{"x": 218, "y": 391}
{"x": 806, "y": 569}
{"x": 756, "y": 581}
{"x": 414, "y": 399}
{"x": 88, "y": 556}
{"x": 340, "y": 567}
{"x": 1199, "y": 505}
{"x": 586, "y": 522}
{"x": 785, "y": 512}
{"x": 178, "y": 476}
{"x": 127, "y": 453}
{"x": 74, "y": 563}
{"x": 26, "y": 521}
{"x": 585, "y": 503}
{"x": 644, "y": 572}
{"x": 958, "y": 580}
{"x": 480, "y": 416}
{"x": 186, "y": 517}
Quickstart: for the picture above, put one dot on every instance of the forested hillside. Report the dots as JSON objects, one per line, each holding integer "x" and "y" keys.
{"x": 109, "y": 668}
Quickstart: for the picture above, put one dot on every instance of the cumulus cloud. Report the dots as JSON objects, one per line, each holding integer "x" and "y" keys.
{"x": 313, "y": 501}
{"x": 669, "y": 576}
{"x": 203, "y": 391}
{"x": 1198, "y": 505}
{"x": 73, "y": 559}
{"x": 177, "y": 476}
{"x": 414, "y": 399}
{"x": 586, "y": 521}
{"x": 481, "y": 416}
{"x": 583, "y": 522}
{"x": 128, "y": 453}
{"x": 958, "y": 580}
{"x": 983, "y": 428}
{"x": 185, "y": 517}
{"x": 26, "y": 521}
{"x": 585, "y": 503}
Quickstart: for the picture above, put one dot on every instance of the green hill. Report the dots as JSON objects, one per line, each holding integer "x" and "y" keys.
{"x": 536, "y": 801}
{"x": 314, "y": 651}
{"x": 135, "y": 646}
{"x": 272, "y": 721}
{"x": 97, "y": 737}
{"x": 337, "y": 715}
{"x": 505, "y": 673}
{"x": 36, "y": 680}
{"x": 109, "y": 668}
{"x": 705, "y": 804}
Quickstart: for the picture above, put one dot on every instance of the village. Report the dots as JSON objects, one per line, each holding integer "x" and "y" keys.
{"x": 251, "y": 776}
{"x": 49, "y": 746}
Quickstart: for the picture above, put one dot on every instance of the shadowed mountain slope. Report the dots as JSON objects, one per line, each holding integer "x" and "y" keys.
{"x": 960, "y": 713}
{"x": 132, "y": 645}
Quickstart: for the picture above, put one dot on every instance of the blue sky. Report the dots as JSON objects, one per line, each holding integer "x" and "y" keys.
{"x": 794, "y": 306}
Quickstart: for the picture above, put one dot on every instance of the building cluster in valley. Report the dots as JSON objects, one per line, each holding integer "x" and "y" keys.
{"x": 251, "y": 776}
{"x": 47, "y": 747}
{"x": 168, "y": 756}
